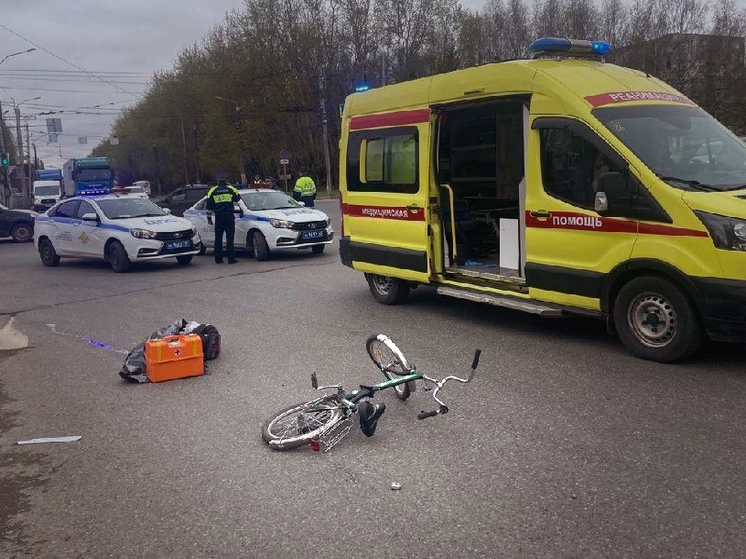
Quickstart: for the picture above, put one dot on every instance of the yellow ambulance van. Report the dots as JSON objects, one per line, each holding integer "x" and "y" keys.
{"x": 557, "y": 185}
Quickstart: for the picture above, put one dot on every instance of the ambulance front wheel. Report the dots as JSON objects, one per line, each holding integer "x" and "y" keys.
{"x": 656, "y": 320}
{"x": 387, "y": 290}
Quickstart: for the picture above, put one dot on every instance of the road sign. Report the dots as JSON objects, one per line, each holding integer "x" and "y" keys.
{"x": 284, "y": 161}
{"x": 284, "y": 154}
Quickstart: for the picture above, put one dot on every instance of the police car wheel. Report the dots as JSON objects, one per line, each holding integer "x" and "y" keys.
{"x": 22, "y": 233}
{"x": 47, "y": 253}
{"x": 318, "y": 249}
{"x": 261, "y": 250}
{"x": 387, "y": 290}
{"x": 118, "y": 258}
{"x": 202, "y": 249}
{"x": 656, "y": 321}
{"x": 184, "y": 259}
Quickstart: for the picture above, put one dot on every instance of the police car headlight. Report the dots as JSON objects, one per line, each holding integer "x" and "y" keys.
{"x": 194, "y": 229}
{"x": 727, "y": 233}
{"x": 281, "y": 223}
{"x": 328, "y": 221}
{"x": 142, "y": 234}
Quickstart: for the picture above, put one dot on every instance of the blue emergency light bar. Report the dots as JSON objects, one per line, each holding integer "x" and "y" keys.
{"x": 576, "y": 47}
{"x": 359, "y": 88}
{"x": 93, "y": 192}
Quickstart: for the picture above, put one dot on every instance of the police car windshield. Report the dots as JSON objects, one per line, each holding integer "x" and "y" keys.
{"x": 258, "y": 201}
{"x": 684, "y": 146}
{"x": 126, "y": 208}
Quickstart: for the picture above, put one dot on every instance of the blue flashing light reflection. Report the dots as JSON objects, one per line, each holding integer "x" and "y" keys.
{"x": 600, "y": 47}
{"x": 362, "y": 87}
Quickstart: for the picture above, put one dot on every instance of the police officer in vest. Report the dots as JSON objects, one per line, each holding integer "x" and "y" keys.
{"x": 305, "y": 189}
{"x": 220, "y": 200}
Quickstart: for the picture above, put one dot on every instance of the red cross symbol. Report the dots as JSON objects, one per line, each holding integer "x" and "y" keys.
{"x": 177, "y": 352}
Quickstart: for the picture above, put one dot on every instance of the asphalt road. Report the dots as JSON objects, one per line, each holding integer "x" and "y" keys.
{"x": 565, "y": 446}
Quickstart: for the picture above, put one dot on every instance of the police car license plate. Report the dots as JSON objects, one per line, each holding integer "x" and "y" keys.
{"x": 176, "y": 245}
{"x": 313, "y": 235}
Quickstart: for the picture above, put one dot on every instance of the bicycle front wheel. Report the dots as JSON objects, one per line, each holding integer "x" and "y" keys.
{"x": 391, "y": 361}
{"x": 299, "y": 424}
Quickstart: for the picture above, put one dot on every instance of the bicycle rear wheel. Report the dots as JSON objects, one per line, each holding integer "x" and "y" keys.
{"x": 299, "y": 424}
{"x": 391, "y": 361}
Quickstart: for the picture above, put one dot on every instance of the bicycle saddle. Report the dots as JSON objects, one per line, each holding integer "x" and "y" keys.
{"x": 369, "y": 414}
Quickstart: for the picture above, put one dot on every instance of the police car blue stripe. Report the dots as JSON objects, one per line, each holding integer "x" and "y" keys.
{"x": 70, "y": 221}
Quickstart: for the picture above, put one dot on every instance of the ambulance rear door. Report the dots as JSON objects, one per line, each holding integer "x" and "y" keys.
{"x": 384, "y": 210}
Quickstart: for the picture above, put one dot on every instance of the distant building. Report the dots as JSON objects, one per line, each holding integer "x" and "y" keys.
{"x": 709, "y": 69}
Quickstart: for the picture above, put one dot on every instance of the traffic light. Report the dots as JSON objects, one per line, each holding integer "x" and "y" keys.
{"x": 5, "y": 160}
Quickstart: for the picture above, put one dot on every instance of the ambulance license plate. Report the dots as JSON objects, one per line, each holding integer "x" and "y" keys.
{"x": 176, "y": 245}
{"x": 306, "y": 235}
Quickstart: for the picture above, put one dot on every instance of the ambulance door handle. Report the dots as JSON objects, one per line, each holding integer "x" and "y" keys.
{"x": 413, "y": 208}
{"x": 541, "y": 214}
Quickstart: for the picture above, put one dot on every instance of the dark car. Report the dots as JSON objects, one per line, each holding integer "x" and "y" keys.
{"x": 183, "y": 198}
{"x": 18, "y": 224}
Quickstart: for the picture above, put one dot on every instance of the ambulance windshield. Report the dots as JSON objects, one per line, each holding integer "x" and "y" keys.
{"x": 684, "y": 146}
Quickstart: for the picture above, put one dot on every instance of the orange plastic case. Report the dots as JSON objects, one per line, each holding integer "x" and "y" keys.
{"x": 174, "y": 357}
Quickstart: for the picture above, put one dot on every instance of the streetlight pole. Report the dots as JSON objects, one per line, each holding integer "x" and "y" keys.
{"x": 239, "y": 131}
{"x": 6, "y": 188}
{"x": 17, "y": 107}
{"x": 16, "y": 54}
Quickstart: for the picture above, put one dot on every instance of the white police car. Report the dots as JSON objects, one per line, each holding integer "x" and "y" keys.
{"x": 272, "y": 221}
{"x": 119, "y": 229}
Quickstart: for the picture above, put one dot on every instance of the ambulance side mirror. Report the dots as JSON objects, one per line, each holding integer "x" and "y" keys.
{"x": 601, "y": 203}
{"x": 612, "y": 196}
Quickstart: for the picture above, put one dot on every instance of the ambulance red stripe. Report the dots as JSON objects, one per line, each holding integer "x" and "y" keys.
{"x": 584, "y": 222}
{"x": 627, "y": 96}
{"x": 398, "y": 118}
{"x": 383, "y": 212}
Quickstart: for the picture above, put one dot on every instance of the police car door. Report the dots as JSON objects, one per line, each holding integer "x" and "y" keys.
{"x": 570, "y": 247}
{"x": 63, "y": 227}
{"x": 88, "y": 237}
{"x": 198, "y": 216}
{"x": 384, "y": 210}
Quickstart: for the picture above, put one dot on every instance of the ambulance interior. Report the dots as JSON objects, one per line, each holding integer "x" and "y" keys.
{"x": 481, "y": 166}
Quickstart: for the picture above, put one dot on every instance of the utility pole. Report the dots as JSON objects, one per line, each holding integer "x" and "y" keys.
{"x": 325, "y": 135}
{"x": 196, "y": 152}
{"x": 6, "y": 185}
{"x": 20, "y": 147}
{"x": 29, "y": 189}
{"x": 157, "y": 170}
{"x": 36, "y": 158}
{"x": 239, "y": 131}
{"x": 183, "y": 139}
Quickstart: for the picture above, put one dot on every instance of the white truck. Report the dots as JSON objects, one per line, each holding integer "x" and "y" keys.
{"x": 47, "y": 189}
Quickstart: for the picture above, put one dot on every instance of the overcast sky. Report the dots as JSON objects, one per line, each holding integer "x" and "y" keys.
{"x": 121, "y": 43}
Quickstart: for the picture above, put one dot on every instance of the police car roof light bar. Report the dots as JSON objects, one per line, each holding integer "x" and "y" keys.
{"x": 572, "y": 47}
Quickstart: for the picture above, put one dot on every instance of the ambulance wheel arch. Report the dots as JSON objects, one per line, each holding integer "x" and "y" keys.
{"x": 655, "y": 310}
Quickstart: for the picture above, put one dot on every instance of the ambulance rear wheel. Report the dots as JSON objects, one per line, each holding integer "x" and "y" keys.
{"x": 118, "y": 258}
{"x": 656, "y": 320}
{"x": 387, "y": 290}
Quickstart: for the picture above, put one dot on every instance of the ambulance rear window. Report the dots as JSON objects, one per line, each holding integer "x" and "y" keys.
{"x": 383, "y": 161}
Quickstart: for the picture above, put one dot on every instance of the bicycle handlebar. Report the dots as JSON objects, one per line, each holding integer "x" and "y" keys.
{"x": 440, "y": 383}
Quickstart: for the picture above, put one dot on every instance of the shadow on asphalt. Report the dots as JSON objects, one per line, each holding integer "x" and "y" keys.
{"x": 588, "y": 330}
{"x": 207, "y": 259}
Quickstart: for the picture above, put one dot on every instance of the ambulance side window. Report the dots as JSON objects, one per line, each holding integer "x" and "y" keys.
{"x": 571, "y": 166}
{"x": 383, "y": 160}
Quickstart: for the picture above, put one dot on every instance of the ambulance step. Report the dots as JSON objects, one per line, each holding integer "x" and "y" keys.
{"x": 501, "y": 301}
